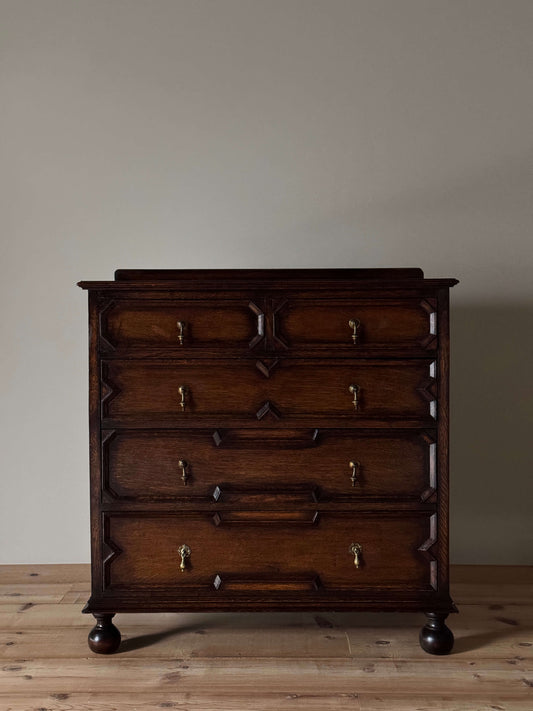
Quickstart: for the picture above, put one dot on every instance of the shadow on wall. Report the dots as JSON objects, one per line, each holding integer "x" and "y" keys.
{"x": 491, "y": 462}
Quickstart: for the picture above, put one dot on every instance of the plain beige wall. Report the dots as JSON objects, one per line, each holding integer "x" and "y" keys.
{"x": 265, "y": 133}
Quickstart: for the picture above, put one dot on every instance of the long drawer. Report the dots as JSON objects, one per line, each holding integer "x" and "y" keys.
{"x": 268, "y": 467}
{"x": 251, "y": 390}
{"x": 258, "y": 551}
{"x": 269, "y": 324}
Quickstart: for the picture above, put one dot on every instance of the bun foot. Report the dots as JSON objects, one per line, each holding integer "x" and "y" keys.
{"x": 435, "y": 637}
{"x": 104, "y": 638}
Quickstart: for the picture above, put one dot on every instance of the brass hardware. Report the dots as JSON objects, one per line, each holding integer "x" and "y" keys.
{"x": 354, "y": 389}
{"x": 183, "y": 391}
{"x": 354, "y": 466}
{"x": 184, "y": 473}
{"x": 181, "y": 331}
{"x": 354, "y": 323}
{"x": 185, "y": 552}
{"x": 356, "y": 550}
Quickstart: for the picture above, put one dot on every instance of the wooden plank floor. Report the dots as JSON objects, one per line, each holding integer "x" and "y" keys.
{"x": 264, "y": 662}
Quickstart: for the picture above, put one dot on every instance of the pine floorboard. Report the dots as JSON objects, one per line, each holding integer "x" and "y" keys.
{"x": 264, "y": 662}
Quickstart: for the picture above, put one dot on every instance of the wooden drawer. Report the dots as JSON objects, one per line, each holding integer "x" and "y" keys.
{"x": 250, "y": 391}
{"x": 205, "y": 323}
{"x": 268, "y": 467}
{"x": 257, "y": 552}
{"x": 403, "y": 324}
{"x": 269, "y": 324}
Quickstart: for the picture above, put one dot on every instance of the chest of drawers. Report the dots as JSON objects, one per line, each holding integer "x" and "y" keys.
{"x": 269, "y": 440}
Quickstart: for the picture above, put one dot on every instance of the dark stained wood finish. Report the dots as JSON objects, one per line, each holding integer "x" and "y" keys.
{"x": 404, "y": 323}
{"x": 134, "y": 324}
{"x": 269, "y": 509}
{"x": 281, "y": 545}
{"x": 104, "y": 638}
{"x": 276, "y": 325}
{"x": 312, "y": 391}
{"x": 250, "y": 468}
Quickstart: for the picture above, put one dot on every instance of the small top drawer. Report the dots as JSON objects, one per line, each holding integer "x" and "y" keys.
{"x": 181, "y": 324}
{"x": 356, "y": 325}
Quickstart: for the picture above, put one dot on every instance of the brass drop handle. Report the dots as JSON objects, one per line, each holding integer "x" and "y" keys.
{"x": 183, "y": 391}
{"x": 185, "y": 552}
{"x": 354, "y": 389}
{"x": 184, "y": 466}
{"x": 354, "y": 466}
{"x": 354, "y": 323}
{"x": 356, "y": 550}
{"x": 181, "y": 331}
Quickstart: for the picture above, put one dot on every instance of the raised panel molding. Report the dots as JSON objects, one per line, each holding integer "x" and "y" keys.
{"x": 108, "y": 390}
{"x": 277, "y": 305}
{"x": 430, "y": 307}
{"x": 230, "y": 582}
{"x": 108, "y": 493}
{"x": 268, "y": 408}
{"x": 429, "y": 552}
{"x": 428, "y": 389}
{"x": 429, "y": 493}
{"x": 266, "y": 439}
{"x": 269, "y": 518}
{"x": 267, "y": 367}
{"x": 110, "y": 552}
{"x": 260, "y": 316}
{"x": 104, "y": 306}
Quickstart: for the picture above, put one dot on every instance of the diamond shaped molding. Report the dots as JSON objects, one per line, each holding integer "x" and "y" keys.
{"x": 267, "y": 408}
{"x": 267, "y": 367}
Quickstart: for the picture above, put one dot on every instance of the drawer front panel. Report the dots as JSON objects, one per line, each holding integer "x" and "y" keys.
{"x": 392, "y": 389}
{"x": 180, "y": 324}
{"x": 268, "y": 467}
{"x": 403, "y": 324}
{"x": 256, "y": 552}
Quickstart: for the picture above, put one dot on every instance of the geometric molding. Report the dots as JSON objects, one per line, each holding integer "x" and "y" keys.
{"x": 278, "y": 305}
{"x": 108, "y": 492}
{"x": 110, "y": 552}
{"x": 218, "y": 437}
{"x": 104, "y": 305}
{"x": 427, "y": 549}
{"x": 260, "y": 335}
{"x": 276, "y": 519}
{"x": 267, "y": 408}
{"x": 431, "y": 489}
{"x": 265, "y": 367}
{"x": 294, "y": 495}
{"x": 266, "y": 439}
{"x": 267, "y": 583}
{"x": 108, "y": 390}
{"x": 430, "y": 307}
{"x": 428, "y": 389}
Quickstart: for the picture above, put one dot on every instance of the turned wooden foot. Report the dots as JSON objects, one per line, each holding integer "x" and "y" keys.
{"x": 104, "y": 638}
{"x": 435, "y": 637}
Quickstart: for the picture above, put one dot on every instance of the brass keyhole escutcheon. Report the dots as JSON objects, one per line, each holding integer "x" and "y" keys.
{"x": 354, "y": 466}
{"x": 356, "y": 550}
{"x": 183, "y": 391}
{"x": 181, "y": 331}
{"x": 185, "y": 552}
{"x": 184, "y": 466}
{"x": 354, "y": 390}
{"x": 355, "y": 324}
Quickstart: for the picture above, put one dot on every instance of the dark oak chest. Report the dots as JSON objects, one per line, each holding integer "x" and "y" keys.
{"x": 269, "y": 440}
